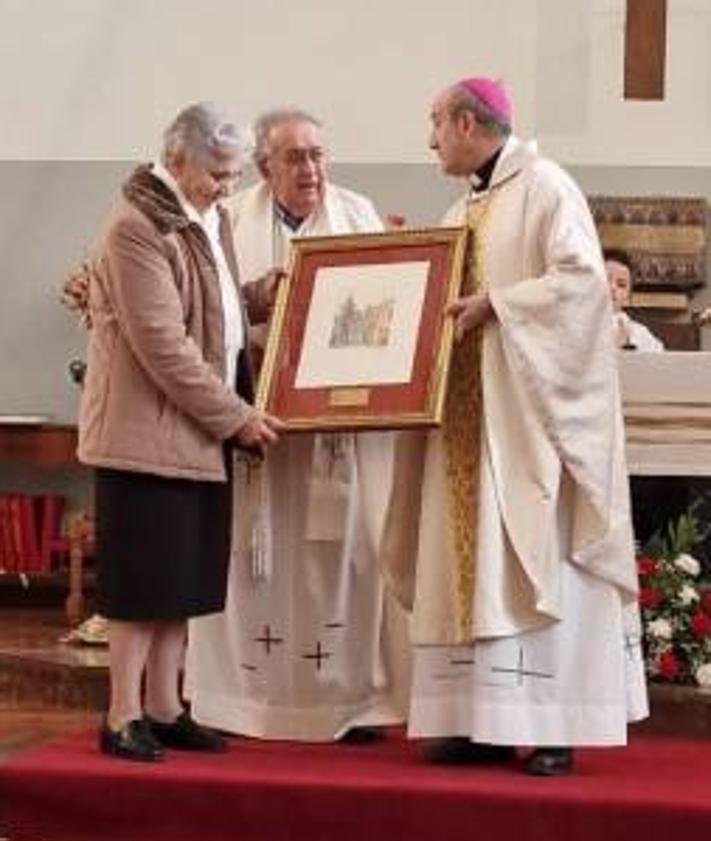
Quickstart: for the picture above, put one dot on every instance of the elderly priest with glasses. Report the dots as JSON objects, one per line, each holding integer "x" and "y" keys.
{"x": 310, "y": 646}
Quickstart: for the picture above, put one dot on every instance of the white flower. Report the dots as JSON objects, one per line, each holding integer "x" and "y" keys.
{"x": 660, "y": 628}
{"x": 688, "y": 594}
{"x": 687, "y": 564}
{"x": 703, "y": 675}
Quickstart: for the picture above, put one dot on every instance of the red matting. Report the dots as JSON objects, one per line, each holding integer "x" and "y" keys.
{"x": 288, "y": 401}
{"x": 655, "y": 790}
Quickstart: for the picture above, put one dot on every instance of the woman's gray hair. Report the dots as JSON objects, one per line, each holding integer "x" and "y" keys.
{"x": 463, "y": 100}
{"x": 264, "y": 124}
{"x": 202, "y": 130}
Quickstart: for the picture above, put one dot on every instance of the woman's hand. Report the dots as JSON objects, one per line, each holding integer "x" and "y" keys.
{"x": 260, "y": 431}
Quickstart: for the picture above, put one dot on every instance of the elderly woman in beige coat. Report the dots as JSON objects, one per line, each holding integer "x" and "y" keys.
{"x": 168, "y": 390}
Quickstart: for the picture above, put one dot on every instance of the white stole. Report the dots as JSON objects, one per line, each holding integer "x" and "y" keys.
{"x": 330, "y": 480}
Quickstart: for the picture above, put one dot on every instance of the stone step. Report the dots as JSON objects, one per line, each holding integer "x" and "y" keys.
{"x": 38, "y": 670}
{"x": 678, "y": 711}
{"x": 55, "y": 677}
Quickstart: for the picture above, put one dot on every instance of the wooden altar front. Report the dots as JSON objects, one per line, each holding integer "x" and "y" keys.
{"x": 666, "y": 401}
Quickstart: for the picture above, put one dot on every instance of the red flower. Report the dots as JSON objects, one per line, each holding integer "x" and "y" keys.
{"x": 667, "y": 664}
{"x": 647, "y": 566}
{"x": 649, "y": 597}
{"x": 706, "y": 602}
{"x": 701, "y": 624}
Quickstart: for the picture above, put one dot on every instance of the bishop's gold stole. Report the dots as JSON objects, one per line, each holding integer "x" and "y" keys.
{"x": 461, "y": 431}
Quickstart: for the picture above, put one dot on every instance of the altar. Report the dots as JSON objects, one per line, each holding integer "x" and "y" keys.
{"x": 666, "y": 399}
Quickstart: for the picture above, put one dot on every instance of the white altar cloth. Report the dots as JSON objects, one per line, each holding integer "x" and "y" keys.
{"x": 667, "y": 408}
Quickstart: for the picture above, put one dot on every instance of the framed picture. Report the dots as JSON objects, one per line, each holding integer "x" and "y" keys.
{"x": 358, "y": 337}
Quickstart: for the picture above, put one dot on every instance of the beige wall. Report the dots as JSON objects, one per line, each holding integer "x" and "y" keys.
{"x": 98, "y": 79}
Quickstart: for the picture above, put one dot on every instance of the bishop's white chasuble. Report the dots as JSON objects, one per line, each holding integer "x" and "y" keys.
{"x": 508, "y": 532}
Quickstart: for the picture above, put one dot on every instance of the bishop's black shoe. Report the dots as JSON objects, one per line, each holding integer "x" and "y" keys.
{"x": 362, "y": 736}
{"x": 458, "y": 750}
{"x": 186, "y": 734}
{"x": 133, "y": 741}
{"x": 550, "y": 762}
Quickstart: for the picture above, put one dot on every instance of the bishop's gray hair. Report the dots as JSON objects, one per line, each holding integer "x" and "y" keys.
{"x": 264, "y": 124}
{"x": 202, "y": 130}
{"x": 463, "y": 100}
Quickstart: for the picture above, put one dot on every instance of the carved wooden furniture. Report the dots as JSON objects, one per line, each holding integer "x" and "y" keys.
{"x": 51, "y": 447}
{"x": 40, "y": 445}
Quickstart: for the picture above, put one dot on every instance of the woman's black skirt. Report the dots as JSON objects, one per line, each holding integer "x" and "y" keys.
{"x": 162, "y": 545}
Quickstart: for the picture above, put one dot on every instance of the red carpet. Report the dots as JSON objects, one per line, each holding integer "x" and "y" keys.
{"x": 655, "y": 790}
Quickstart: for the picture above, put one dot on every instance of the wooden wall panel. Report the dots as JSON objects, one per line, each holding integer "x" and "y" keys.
{"x": 645, "y": 49}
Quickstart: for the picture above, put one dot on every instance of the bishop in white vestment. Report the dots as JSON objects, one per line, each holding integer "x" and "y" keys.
{"x": 508, "y": 532}
{"x": 309, "y": 646}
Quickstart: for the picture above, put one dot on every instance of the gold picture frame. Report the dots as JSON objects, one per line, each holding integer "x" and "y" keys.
{"x": 358, "y": 338}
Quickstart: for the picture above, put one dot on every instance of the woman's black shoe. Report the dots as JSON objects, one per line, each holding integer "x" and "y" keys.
{"x": 133, "y": 741}
{"x": 550, "y": 762}
{"x": 186, "y": 734}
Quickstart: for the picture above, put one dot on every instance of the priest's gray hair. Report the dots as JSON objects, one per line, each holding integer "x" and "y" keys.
{"x": 265, "y": 123}
{"x": 463, "y": 100}
{"x": 202, "y": 130}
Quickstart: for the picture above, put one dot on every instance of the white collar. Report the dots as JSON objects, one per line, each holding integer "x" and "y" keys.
{"x": 206, "y": 219}
{"x": 474, "y": 181}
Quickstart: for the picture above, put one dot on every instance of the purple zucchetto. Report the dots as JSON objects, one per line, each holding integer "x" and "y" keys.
{"x": 492, "y": 93}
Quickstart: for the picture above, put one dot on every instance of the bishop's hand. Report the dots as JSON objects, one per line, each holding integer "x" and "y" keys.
{"x": 470, "y": 312}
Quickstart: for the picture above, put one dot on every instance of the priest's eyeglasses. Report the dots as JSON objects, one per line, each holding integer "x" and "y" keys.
{"x": 298, "y": 157}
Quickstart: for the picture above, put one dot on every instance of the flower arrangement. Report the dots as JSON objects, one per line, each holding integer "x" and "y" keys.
{"x": 75, "y": 297}
{"x": 75, "y": 292}
{"x": 676, "y": 607}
